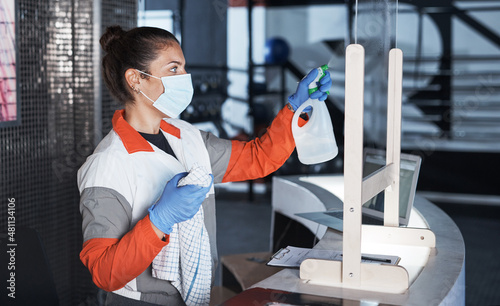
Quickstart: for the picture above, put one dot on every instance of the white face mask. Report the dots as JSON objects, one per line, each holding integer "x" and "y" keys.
{"x": 177, "y": 95}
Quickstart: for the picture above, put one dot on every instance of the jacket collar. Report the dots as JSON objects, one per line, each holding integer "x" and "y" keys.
{"x": 132, "y": 140}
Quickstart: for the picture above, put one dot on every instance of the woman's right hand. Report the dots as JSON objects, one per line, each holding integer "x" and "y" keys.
{"x": 177, "y": 204}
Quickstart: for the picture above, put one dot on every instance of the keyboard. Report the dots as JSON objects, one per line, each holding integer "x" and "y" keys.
{"x": 364, "y": 219}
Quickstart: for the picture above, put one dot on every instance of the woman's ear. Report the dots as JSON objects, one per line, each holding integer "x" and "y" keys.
{"x": 133, "y": 79}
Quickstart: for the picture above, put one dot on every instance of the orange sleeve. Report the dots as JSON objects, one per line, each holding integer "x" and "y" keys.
{"x": 263, "y": 155}
{"x": 115, "y": 262}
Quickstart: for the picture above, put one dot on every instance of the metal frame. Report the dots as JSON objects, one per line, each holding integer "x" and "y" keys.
{"x": 98, "y": 83}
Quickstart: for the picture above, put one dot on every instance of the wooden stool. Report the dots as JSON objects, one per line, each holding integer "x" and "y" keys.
{"x": 240, "y": 271}
{"x": 220, "y": 294}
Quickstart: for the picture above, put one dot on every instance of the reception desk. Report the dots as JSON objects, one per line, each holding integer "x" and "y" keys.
{"x": 437, "y": 275}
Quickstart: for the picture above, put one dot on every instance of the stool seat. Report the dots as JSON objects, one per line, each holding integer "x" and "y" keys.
{"x": 246, "y": 269}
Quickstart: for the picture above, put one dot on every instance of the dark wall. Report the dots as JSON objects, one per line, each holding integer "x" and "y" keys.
{"x": 123, "y": 13}
{"x": 204, "y": 33}
{"x": 204, "y": 42}
{"x": 39, "y": 158}
{"x": 471, "y": 173}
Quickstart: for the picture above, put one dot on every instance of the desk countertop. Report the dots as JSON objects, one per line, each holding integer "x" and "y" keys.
{"x": 438, "y": 279}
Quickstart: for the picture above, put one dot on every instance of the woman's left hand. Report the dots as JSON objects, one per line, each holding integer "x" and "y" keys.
{"x": 323, "y": 88}
{"x": 301, "y": 95}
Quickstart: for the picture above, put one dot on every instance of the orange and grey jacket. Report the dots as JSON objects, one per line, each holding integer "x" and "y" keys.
{"x": 126, "y": 175}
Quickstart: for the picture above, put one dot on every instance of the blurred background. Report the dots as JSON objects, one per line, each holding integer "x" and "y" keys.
{"x": 246, "y": 57}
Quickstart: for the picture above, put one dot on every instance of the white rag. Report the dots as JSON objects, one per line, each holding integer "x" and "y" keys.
{"x": 186, "y": 260}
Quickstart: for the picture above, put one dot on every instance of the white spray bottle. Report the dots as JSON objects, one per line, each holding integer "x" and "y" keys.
{"x": 314, "y": 141}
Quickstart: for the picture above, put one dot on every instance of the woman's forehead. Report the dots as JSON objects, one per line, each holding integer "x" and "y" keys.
{"x": 167, "y": 56}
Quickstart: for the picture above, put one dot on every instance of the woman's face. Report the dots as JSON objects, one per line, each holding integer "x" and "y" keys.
{"x": 169, "y": 62}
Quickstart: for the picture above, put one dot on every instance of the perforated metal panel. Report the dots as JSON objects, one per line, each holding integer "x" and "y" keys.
{"x": 115, "y": 12}
{"x": 39, "y": 158}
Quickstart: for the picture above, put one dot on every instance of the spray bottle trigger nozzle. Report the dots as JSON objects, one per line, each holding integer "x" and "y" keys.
{"x": 313, "y": 87}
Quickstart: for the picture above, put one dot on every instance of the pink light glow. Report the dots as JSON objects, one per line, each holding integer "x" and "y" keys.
{"x": 8, "y": 101}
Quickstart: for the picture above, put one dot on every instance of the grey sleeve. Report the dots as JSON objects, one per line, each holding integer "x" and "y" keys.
{"x": 219, "y": 151}
{"x": 105, "y": 213}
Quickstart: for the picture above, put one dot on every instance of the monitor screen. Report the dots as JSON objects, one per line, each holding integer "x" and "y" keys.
{"x": 374, "y": 162}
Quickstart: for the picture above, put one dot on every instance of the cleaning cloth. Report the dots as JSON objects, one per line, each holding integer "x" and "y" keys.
{"x": 196, "y": 176}
{"x": 186, "y": 260}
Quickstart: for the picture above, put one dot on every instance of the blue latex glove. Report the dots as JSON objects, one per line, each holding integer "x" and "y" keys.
{"x": 177, "y": 204}
{"x": 323, "y": 87}
{"x": 302, "y": 93}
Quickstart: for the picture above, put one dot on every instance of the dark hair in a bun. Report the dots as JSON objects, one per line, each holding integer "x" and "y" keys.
{"x": 135, "y": 48}
{"x": 112, "y": 35}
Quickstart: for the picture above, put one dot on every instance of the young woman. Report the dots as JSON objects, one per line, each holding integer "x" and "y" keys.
{"x": 148, "y": 238}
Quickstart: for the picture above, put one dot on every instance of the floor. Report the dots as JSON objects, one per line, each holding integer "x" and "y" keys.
{"x": 243, "y": 226}
{"x": 480, "y": 227}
